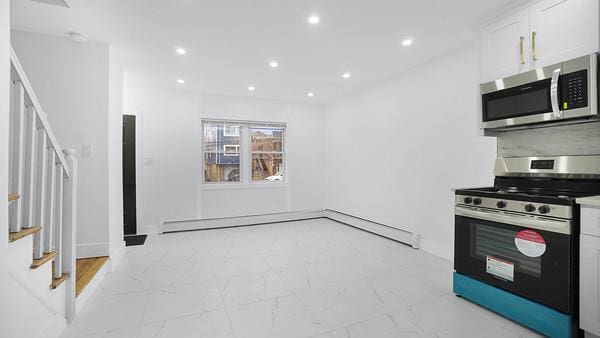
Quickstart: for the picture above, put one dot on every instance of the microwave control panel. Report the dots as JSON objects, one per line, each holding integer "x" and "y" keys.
{"x": 574, "y": 90}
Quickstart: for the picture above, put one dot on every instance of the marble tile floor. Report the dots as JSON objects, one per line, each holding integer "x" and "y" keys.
{"x": 315, "y": 278}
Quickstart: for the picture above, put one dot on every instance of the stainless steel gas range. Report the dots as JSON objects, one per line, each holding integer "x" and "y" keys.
{"x": 516, "y": 243}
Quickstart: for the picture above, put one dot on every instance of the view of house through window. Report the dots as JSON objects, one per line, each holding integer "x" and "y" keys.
{"x": 267, "y": 154}
{"x": 237, "y": 151}
{"x": 221, "y": 153}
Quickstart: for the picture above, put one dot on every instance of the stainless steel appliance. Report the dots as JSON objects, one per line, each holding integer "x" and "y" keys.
{"x": 516, "y": 243}
{"x": 559, "y": 92}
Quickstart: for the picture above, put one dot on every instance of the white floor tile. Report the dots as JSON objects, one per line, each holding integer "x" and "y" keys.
{"x": 107, "y": 314}
{"x": 245, "y": 289}
{"x": 180, "y": 300}
{"x": 314, "y": 278}
{"x": 280, "y": 317}
{"x": 214, "y": 324}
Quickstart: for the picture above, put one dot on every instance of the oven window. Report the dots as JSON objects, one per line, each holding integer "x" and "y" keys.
{"x": 531, "y": 99}
{"x": 500, "y": 243}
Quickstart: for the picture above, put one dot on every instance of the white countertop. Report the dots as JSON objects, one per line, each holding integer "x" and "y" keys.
{"x": 592, "y": 201}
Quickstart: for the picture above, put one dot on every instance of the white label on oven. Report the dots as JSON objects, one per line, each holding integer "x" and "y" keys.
{"x": 530, "y": 243}
{"x": 500, "y": 268}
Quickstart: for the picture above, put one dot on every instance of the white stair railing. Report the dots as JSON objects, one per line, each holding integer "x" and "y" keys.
{"x": 44, "y": 176}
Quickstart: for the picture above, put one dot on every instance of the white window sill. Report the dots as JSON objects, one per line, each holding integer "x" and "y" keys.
{"x": 239, "y": 186}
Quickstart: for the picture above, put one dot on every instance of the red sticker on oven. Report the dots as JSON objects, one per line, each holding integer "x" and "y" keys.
{"x": 530, "y": 243}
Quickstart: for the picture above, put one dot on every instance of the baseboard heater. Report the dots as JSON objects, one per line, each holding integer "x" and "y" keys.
{"x": 400, "y": 235}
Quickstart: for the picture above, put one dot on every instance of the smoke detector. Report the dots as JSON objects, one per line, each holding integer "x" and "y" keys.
{"x": 76, "y": 37}
{"x": 60, "y": 3}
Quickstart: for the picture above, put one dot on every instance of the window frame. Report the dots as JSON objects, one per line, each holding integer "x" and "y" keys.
{"x": 245, "y": 152}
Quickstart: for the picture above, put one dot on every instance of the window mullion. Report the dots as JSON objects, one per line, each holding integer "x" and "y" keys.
{"x": 245, "y": 154}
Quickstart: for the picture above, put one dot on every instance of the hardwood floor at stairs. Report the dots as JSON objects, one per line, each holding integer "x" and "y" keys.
{"x": 86, "y": 269}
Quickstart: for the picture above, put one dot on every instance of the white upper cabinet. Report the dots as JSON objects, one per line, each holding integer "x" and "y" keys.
{"x": 563, "y": 30}
{"x": 504, "y": 46}
{"x": 547, "y": 32}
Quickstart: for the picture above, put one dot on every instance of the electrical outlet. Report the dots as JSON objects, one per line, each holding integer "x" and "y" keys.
{"x": 148, "y": 161}
{"x": 86, "y": 151}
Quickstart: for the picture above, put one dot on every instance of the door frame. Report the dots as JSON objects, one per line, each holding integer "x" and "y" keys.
{"x": 139, "y": 162}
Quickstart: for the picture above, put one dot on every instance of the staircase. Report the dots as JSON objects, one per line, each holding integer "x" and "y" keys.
{"x": 42, "y": 202}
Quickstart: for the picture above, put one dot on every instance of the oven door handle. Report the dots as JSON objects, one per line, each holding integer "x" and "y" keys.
{"x": 545, "y": 224}
{"x": 554, "y": 94}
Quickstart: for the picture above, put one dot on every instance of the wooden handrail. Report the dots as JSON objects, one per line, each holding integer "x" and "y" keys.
{"x": 33, "y": 100}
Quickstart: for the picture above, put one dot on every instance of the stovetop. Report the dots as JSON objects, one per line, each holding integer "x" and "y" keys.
{"x": 553, "y": 191}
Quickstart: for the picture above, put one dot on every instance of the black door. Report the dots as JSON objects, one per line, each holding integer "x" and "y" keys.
{"x": 129, "y": 205}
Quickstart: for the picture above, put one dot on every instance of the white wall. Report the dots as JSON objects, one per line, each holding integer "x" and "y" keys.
{"x": 4, "y": 111}
{"x": 71, "y": 82}
{"x": 115, "y": 157}
{"x": 170, "y": 179}
{"x": 397, "y": 149}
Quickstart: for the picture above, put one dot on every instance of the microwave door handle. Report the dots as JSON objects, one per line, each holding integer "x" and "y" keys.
{"x": 554, "y": 94}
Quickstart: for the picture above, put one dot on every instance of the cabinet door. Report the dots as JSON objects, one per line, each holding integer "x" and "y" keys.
{"x": 504, "y": 47}
{"x": 563, "y": 30}
{"x": 589, "y": 293}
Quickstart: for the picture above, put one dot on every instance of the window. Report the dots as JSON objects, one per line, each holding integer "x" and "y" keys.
{"x": 231, "y": 150}
{"x": 236, "y": 151}
{"x": 267, "y": 154}
{"x": 231, "y": 130}
{"x": 221, "y": 153}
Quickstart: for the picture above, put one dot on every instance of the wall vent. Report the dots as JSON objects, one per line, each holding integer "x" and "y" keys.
{"x": 60, "y": 3}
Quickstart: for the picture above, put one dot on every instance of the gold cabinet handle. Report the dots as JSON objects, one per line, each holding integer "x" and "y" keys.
{"x": 522, "y": 50}
{"x": 533, "y": 48}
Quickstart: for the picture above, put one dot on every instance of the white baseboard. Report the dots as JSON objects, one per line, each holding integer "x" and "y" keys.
{"x": 88, "y": 291}
{"x": 151, "y": 229}
{"x": 226, "y": 222}
{"x": 400, "y": 235}
{"x": 92, "y": 250}
{"x": 116, "y": 255}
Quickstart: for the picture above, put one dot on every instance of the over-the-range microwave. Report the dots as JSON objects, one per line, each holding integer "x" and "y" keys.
{"x": 560, "y": 92}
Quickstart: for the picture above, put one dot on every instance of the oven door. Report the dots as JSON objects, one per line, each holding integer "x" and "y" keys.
{"x": 528, "y": 256}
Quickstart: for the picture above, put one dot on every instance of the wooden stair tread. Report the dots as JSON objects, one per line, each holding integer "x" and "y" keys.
{"x": 13, "y": 197}
{"x": 13, "y": 236}
{"x": 58, "y": 281}
{"x": 86, "y": 269}
{"x": 45, "y": 258}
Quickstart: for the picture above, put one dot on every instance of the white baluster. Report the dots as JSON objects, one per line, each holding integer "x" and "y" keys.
{"x": 70, "y": 231}
{"x": 29, "y": 171}
{"x": 16, "y": 180}
{"x": 58, "y": 237}
{"x": 49, "y": 229}
{"x": 40, "y": 215}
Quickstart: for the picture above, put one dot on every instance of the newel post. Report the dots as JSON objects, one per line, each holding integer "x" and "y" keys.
{"x": 70, "y": 231}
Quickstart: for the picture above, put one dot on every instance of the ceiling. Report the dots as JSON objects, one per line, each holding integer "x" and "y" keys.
{"x": 229, "y": 43}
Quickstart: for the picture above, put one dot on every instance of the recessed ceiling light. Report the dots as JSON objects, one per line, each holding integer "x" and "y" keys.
{"x": 180, "y": 81}
{"x": 313, "y": 19}
{"x": 273, "y": 64}
{"x": 180, "y": 50}
{"x": 407, "y": 42}
{"x": 346, "y": 75}
{"x": 310, "y": 94}
{"x": 251, "y": 88}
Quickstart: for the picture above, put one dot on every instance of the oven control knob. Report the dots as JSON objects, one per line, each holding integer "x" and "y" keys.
{"x": 544, "y": 209}
{"x": 501, "y": 204}
{"x": 468, "y": 200}
{"x": 530, "y": 208}
{"x": 477, "y": 201}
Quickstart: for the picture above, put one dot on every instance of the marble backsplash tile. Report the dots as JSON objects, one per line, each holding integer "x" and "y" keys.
{"x": 575, "y": 139}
